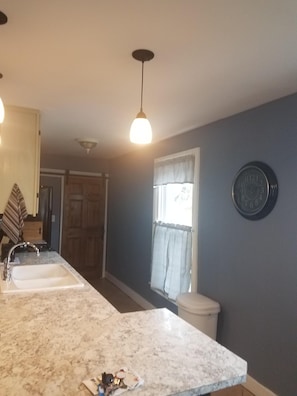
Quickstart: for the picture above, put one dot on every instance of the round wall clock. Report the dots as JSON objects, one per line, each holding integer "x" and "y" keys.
{"x": 254, "y": 190}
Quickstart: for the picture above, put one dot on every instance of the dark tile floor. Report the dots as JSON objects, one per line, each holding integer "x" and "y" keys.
{"x": 115, "y": 296}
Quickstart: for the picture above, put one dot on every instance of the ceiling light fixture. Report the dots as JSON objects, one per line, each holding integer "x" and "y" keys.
{"x": 88, "y": 143}
{"x": 141, "y": 130}
{"x": 3, "y": 21}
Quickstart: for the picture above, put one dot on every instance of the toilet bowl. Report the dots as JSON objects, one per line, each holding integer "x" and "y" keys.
{"x": 200, "y": 311}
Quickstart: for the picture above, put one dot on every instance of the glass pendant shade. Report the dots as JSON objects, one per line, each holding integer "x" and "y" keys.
{"x": 141, "y": 130}
{"x": 2, "y": 111}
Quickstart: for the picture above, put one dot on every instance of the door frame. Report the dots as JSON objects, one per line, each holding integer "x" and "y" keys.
{"x": 51, "y": 173}
{"x": 61, "y": 174}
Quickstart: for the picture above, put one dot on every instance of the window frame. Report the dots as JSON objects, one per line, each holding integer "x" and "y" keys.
{"x": 195, "y": 209}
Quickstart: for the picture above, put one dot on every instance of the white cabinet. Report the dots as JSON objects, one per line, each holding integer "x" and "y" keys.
{"x": 20, "y": 156}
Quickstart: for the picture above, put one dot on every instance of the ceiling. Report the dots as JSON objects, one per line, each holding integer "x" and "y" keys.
{"x": 71, "y": 59}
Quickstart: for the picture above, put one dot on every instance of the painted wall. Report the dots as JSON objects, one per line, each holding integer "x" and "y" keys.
{"x": 249, "y": 267}
{"x": 83, "y": 164}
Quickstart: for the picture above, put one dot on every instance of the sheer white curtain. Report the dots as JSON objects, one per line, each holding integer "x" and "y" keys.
{"x": 172, "y": 259}
{"x": 172, "y": 243}
{"x": 175, "y": 170}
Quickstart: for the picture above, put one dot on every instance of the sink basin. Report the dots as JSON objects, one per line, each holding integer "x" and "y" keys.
{"x": 39, "y": 277}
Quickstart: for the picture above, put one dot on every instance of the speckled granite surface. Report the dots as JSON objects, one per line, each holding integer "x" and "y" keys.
{"x": 51, "y": 341}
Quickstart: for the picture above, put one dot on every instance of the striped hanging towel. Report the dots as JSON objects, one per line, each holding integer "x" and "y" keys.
{"x": 14, "y": 214}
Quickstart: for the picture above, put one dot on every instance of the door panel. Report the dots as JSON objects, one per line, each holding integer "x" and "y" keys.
{"x": 75, "y": 214}
{"x": 83, "y": 222}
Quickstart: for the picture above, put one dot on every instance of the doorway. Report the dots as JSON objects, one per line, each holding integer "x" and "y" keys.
{"x": 83, "y": 235}
{"x": 55, "y": 184}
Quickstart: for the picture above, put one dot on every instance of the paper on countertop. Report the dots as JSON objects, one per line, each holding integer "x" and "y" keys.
{"x": 131, "y": 379}
{"x": 92, "y": 385}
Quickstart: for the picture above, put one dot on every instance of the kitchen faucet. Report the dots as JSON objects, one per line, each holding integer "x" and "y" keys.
{"x": 7, "y": 263}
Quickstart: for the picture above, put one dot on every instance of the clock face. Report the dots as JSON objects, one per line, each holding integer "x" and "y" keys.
{"x": 254, "y": 190}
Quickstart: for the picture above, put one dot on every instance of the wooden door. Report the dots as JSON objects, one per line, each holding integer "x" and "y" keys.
{"x": 83, "y": 224}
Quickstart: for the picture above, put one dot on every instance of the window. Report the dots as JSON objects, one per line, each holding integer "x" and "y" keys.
{"x": 174, "y": 249}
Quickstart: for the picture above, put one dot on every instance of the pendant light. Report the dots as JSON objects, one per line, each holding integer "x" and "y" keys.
{"x": 141, "y": 130}
{"x": 3, "y": 21}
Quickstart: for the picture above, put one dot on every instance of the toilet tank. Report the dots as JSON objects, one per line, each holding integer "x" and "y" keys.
{"x": 200, "y": 311}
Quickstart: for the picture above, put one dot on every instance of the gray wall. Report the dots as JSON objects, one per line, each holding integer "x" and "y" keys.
{"x": 250, "y": 267}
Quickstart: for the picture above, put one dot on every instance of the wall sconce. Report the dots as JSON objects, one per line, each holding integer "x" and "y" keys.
{"x": 141, "y": 130}
{"x": 87, "y": 144}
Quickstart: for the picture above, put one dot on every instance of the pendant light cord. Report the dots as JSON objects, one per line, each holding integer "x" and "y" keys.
{"x": 141, "y": 86}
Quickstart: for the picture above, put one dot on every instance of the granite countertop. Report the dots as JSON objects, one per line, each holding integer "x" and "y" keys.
{"x": 51, "y": 341}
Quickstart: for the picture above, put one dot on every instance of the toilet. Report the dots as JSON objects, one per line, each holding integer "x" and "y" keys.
{"x": 200, "y": 311}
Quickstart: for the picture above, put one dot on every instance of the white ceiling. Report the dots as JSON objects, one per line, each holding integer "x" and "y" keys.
{"x": 71, "y": 59}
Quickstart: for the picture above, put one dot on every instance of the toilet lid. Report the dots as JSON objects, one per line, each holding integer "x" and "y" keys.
{"x": 197, "y": 303}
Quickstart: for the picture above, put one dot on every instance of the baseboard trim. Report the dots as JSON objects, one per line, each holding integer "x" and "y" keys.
{"x": 131, "y": 293}
{"x": 251, "y": 384}
{"x": 256, "y": 388}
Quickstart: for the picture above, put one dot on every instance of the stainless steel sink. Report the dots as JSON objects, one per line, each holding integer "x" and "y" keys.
{"x": 40, "y": 277}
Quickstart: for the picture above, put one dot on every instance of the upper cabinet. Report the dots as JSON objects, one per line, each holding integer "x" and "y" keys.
{"x": 20, "y": 156}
